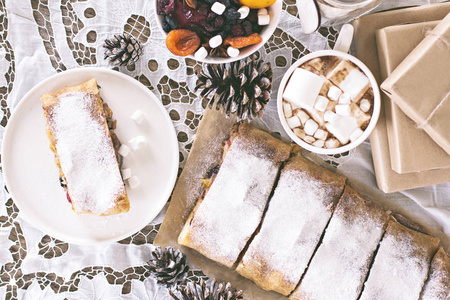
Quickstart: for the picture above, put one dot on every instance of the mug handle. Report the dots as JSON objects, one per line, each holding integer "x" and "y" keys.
{"x": 344, "y": 39}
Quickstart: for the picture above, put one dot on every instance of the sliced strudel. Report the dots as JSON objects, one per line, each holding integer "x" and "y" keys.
{"x": 340, "y": 266}
{"x": 298, "y": 212}
{"x": 231, "y": 209}
{"x": 82, "y": 142}
{"x": 401, "y": 264}
{"x": 437, "y": 286}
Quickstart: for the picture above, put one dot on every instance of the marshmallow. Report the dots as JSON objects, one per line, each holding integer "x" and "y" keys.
{"x": 309, "y": 139}
{"x": 134, "y": 182}
{"x": 293, "y": 122}
{"x": 342, "y": 128}
{"x": 233, "y": 52}
{"x": 215, "y": 41}
{"x": 321, "y": 134}
{"x": 318, "y": 143}
{"x": 321, "y": 103}
{"x": 138, "y": 116}
{"x": 218, "y": 8}
{"x": 303, "y": 88}
{"x": 361, "y": 117}
{"x": 300, "y": 133}
{"x": 137, "y": 142}
{"x": 302, "y": 116}
{"x": 364, "y": 105}
{"x": 355, "y": 83}
{"x": 262, "y": 11}
{"x": 201, "y": 53}
{"x": 244, "y": 11}
{"x": 332, "y": 143}
{"x": 356, "y": 134}
{"x": 343, "y": 110}
{"x": 329, "y": 116}
{"x": 344, "y": 99}
{"x": 287, "y": 109}
{"x": 310, "y": 127}
{"x": 263, "y": 19}
{"x": 126, "y": 173}
{"x": 317, "y": 116}
{"x": 124, "y": 150}
{"x": 333, "y": 93}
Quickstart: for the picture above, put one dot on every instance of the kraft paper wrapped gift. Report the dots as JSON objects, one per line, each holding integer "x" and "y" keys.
{"x": 420, "y": 85}
{"x": 411, "y": 148}
{"x": 366, "y": 50}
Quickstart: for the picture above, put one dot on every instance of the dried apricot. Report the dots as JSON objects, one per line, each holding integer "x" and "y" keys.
{"x": 244, "y": 41}
{"x": 227, "y": 40}
{"x": 182, "y": 42}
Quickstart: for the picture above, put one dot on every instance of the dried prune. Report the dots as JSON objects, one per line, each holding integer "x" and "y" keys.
{"x": 165, "y": 7}
{"x": 237, "y": 30}
{"x": 232, "y": 14}
{"x": 171, "y": 22}
{"x": 218, "y": 23}
{"x": 182, "y": 42}
{"x": 225, "y": 2}
{"x": 247, "y": 26}
{"x": 166, "y": 27}
{"x": 244, "y": 41}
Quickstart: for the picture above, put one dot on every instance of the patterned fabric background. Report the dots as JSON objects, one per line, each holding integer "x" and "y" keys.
{"x": 39, "y": 38}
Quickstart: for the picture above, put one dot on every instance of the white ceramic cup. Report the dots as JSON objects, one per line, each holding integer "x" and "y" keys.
{"x": 343, "y": 44}
{"x": 274, "y": 11}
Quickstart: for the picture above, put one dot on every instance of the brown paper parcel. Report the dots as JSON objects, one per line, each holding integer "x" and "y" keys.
{"x": 420, "y": 85}
{"x": 205, "y": 154}
{"x": 411, "y": 149}
{"x": 366, "y": 50}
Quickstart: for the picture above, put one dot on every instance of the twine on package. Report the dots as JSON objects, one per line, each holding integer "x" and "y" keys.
{"x": 445, "y": 42}
{"x": 425, "y": 123}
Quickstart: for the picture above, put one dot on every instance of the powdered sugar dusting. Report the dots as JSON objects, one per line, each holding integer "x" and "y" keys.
{"x": 233, "y": 206}
{"x": 437, "y": 286}
{"x": 401, "y": 265}
{"x": 342, "y": 261}
{"x": 297, "y": 215}
{"x": 86, "y": 154}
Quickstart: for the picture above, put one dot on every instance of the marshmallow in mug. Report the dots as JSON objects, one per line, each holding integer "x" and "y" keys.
{"x": 328, "y": 102}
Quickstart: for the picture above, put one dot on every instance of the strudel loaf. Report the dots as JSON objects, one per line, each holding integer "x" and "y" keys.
{"x": 231, "y": 209}
{"x": 298, "y": 212}
{"x": 82, "y": 143}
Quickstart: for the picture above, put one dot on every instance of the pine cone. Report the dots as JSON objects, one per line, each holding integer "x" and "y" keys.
{"x": 122, "y": 49}
{"x": 243, "y": 88}
{"x": 209, "y": 290}
{"x": 169, "y": 266}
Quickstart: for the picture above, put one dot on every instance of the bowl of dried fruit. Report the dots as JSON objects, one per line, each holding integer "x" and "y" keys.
{"x": 217, "y": 31}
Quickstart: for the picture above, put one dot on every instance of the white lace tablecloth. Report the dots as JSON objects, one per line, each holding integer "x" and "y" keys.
{"x": 41, "y": 37}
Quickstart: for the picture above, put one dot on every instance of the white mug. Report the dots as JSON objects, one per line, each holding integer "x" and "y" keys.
{"x": 340, "y": 50}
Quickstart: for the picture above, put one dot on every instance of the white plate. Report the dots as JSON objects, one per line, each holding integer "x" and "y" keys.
{"x": 31, "y": 174}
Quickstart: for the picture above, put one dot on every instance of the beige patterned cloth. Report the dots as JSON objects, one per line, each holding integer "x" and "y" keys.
{"x": 39, "y": 38}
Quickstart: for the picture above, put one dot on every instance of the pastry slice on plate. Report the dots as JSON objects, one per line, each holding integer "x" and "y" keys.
{"x": 401, "y": 264}
{"x": 298, "y": 212}
{"x": 341, "y": 263}
{"x": 82, "y": 142}
{"x": 437, "y": 286}
{"x": 231, "y": 208}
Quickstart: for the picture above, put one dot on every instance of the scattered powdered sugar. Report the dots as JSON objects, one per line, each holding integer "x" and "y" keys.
{"x": 438, "y": 283}
{"x": 85, "y": 153}
{"x": 401, "y": 265}
{"x": 297, "y": 215}
{"x": 232, "y": 209}
{"x": 341, "y": 263}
